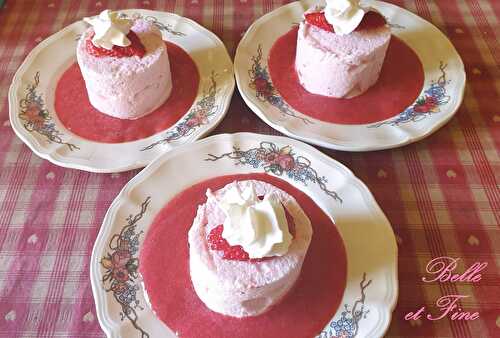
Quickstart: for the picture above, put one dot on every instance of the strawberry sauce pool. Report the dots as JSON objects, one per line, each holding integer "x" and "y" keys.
{"x": 75, "y": 112}
{"x": 305, "y": 311}
{"x": 401, "y": 81}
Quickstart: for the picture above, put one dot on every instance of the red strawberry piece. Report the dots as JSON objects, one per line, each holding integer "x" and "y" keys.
{"x": 215, "y": 239}
{"x": 370, "y": 20}
{"x": 219, "y": 243}
{"x": 318, "y": 19}
{"x": 236, "y": 253}
{"x": 135, "y": 48}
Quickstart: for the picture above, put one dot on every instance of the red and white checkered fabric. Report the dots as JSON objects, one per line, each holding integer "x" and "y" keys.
{"x": 441, "y": 195}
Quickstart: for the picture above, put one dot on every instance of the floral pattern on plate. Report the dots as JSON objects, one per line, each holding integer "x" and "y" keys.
{"x": 279, "y": 161}
{"x": 347, "y": 325}
{"x": 427, "y": 41}
{"x": 242, "y": 153}
{"x": 121, "y": 268}
{"x": 161, "y": 26}
{"x": 34, "y": 120}
{"x": 425, "y": 105}
{"x": 260, "y": 81}
{"x": 36, "y": 117}
{"x": 198, "y": 116}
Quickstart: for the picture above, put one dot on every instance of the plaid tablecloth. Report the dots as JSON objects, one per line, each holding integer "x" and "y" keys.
{"x": 441, "y": 195}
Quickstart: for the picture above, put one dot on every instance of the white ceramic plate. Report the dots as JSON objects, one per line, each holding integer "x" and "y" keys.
{"x": 372, "y": 286}
{"x": 444, "y": 81}
{"x": 31, "y": 99}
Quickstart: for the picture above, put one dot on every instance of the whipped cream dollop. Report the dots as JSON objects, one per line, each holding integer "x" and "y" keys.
{"x": 110, "y": 30}
{"x": 344, "y": 15}
{"x": 259, "y": 226}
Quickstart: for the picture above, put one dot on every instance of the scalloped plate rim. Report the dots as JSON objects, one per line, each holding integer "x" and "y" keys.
{"x": 328, "y": 142}
{"x": 123, "y": 197}
{"x": 38, "y": 149}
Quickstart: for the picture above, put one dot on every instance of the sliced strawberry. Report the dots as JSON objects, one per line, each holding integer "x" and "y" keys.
{"x": 135, "y": 48}
{"x": 236, "y": 253}
{"x": 218, "y": 243}
{"x": 318, "y": 19}
{"x": 215, "y": 239}
{"x": 370, "y": 20}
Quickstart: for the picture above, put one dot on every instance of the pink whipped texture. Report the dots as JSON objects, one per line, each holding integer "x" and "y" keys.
{"x": 128, "y": 87}
{"x": 305, "y": 310}
{"x": 76, "y": 113}
{"x": 341, "y": 66}
{"x": 242, "y": 288}
{"x": 400, "y": 82}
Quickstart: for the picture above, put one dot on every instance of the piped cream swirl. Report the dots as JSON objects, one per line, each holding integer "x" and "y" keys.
{"x": 110, "y": 30}
{"x": 344, "y": 15}
{"x": 259, "y": 226}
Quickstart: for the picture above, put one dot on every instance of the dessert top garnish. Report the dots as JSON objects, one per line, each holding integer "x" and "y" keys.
{"x": 259, "y": 226}
{"x": 112, "y": 36}
{"x": 370, "y": 19}
{"x": 318, "y": 19}
{"x": 135, "y": 48}
{"x": 344, "y": 15}
{"x": 110, "y": 30}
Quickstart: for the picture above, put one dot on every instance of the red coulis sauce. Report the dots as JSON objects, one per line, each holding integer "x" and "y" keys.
{"x": 400, "y": 82}
{"x": 304, "y": 312}
{"x": 75, "y": 112}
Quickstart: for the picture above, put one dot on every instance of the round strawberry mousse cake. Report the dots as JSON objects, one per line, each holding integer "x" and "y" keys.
{"x": 246, "y": 247}
{"x": 341, "y": 49}
{"x": 125, "y": 65}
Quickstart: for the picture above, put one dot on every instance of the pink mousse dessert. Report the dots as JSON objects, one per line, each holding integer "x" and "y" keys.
{"x": 125, "y": 66}
{"x": 246, "y": 247}
{"x": 341, "y": 49}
